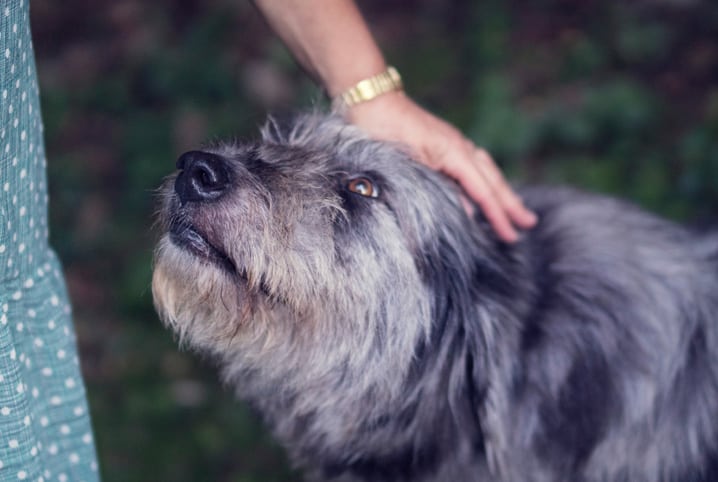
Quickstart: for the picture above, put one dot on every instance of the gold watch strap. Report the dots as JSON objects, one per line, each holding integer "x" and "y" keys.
{"x": 369, "y": 88}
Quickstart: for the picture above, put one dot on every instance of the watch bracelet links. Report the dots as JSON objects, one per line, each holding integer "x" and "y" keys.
{"x": 368, "y": 89}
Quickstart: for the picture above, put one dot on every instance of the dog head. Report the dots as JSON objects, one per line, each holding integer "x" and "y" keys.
{"x": 308, "y": 252}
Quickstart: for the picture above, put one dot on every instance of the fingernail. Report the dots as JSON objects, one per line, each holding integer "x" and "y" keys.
{"x": 511, "y": 237}
{"x": 532, "y": 218}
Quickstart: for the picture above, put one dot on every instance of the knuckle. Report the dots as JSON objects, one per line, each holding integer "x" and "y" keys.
{"x": 482, "y": 152}
{"x": 512, "y": 200}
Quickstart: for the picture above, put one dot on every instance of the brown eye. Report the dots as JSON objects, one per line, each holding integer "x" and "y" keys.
{"x": 363, "y": 186}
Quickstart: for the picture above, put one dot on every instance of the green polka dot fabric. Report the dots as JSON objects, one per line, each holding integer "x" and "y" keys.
{"x": 45, "y": 432}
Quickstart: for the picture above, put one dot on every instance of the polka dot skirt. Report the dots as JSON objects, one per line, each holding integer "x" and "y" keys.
{"x": 45, "y": 432}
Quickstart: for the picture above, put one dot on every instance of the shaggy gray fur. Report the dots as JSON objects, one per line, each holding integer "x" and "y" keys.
{"x": 392, "y": 338}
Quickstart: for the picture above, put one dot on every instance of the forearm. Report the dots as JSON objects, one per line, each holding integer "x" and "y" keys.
{"x": 328, "y": 37}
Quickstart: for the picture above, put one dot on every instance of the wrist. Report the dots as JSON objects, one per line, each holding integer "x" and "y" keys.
{"x": 342, "y": 78}
{"x": 385, "y": 112}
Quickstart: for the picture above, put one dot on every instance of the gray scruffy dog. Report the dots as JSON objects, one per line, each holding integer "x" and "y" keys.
{"x": 385, "y": 336}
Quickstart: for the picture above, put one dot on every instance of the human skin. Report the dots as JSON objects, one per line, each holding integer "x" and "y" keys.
{"x": 330, "y": 39}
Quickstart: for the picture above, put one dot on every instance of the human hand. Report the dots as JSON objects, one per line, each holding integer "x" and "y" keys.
{"x": 440, "y": 146}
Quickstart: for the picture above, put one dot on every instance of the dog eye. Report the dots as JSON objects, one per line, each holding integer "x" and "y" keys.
{"x": 363, "y": 187}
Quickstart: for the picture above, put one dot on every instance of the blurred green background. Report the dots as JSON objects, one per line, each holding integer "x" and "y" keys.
{"x": 620, "y": 97}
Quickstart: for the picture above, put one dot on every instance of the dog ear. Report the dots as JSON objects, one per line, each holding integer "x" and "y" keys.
{"x": 281, "y": 124}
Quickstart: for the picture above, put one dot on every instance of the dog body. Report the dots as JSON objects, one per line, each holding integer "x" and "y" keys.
{"x": 385, "y": 336}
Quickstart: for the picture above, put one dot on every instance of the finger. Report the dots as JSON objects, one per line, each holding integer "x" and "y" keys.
{"x": 478, "y": 188}
{"x": 512, "y": 204}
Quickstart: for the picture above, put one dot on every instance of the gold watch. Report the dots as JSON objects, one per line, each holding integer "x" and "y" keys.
{"x": 368, "y": 89}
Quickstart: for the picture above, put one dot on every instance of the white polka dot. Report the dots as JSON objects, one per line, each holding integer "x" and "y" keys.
{"x": 33, "y": 451}
{"x": 35, "y": 392}
{"x": 70, "y": 383}
{"x": 87, "y": 438}
{"x": 44, "y": 421}
{"x": 54, "y": 300}
{"x": 47, "y": 371}
{"x": 3, "y": 319}
{"x": 31, "y": 313}
{"x": 13, "y": 444}
{"x": 17, "y": 295}
{"x": 21, "y": 248}
{"x": 52, "y": 449}
{"x": 74, "y": 458}
{"x": 22, "y": 475}
{"x": 7, "y": 53}
{"x": 61, "y": 354}
{"x": 23, "y": 173}
{"x": 20, "y": 388}
{"x": 13, "y": 354}
{"x": 26, "y": 420}
{"x": 5, "y": 411}
{"x": 39, "y": 343}
{"x": 51, "y": 324}
{"x": 2, "y": 464}
{"x": 20, "y": 327}
{"x": 55, "y": 400}
{"x": 23, "y": 211}
{"x": 2, "y": 248}
{"x": 65, "y": 429}
{"x": 62, "y": 478}
{"x": 29, "y": 283}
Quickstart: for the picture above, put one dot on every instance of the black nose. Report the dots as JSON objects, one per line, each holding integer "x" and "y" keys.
{"x": 204, "y": 176}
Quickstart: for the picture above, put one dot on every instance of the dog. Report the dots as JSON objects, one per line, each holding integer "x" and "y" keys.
{"x": 384, "y": 335}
